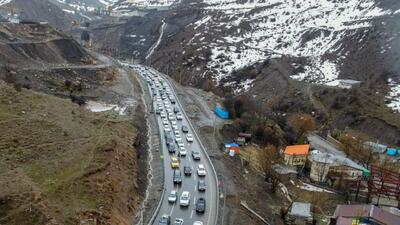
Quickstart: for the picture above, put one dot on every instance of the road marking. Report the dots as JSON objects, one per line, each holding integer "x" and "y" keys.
{"x": 195, "y": 187}
{"x": 172, "y": 209}
{"x": 191, "y": 214}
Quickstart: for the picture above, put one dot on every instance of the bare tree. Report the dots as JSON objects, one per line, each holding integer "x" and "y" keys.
{"x": 302, "y": 123}
{"x": 267, "y": 158}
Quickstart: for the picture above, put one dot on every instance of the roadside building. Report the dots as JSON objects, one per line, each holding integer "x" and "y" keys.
{"x": 296, "y": 155}
{"x": 335, "y": 167}
{"x": 375, "y": 147}
{"x": 300, "y": 212}
{"x": 363, "y": 214}
{"x": 285, "y": 172}
{"x": 348, "y": 84}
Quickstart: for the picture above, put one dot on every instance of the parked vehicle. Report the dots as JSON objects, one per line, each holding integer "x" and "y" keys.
{"x": 174, "y": 162}
{"x": 201, "y": 185}
{"x": 200, "y": 205}
{"x": 176, "y": 109}
{"x": 165, "y": 220}
{"x": 198, "y": 223}
{"x": 185, "y": 129}
{"x": 201, "y": 170}
{"x": 182, "y": 151}
{"x": 169, "y": 141}
{"x": 187, "y": 170}
{"x": 173, "y": 196}
{"x": 189, "y": 137}
{"x": 179, "y": 116}
{"x": 171, "y": 148}
{"x": 177, "y": 178}
{"x": 178, "y": 221}
{"x": 196, "y": 155}
{"x": 185, "y": 199}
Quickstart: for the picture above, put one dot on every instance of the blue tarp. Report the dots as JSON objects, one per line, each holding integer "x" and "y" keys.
{"x": 231, "y": 145}
{"x": 391, "y": 151}
{"x": 221, "y": 113}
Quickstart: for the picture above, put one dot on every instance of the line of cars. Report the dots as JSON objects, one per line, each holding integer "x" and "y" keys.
{"x": 174, "y": 134}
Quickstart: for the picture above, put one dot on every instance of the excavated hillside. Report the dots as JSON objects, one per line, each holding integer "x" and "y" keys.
{"x": 62, "y": 164}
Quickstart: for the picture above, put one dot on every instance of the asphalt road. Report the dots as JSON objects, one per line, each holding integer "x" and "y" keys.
{"x": 189, "y": 183}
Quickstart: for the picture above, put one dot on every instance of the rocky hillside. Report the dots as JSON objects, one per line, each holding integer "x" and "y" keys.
{"x": 29, "y": 45}
{"x": 62, "y": 164}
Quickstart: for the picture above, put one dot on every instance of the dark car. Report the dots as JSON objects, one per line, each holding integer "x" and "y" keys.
{"x": 171, "y": 148}
{"x": 200, "y": 205}
{"x": 176, "y": 109}
{"x": 158, "y": 111}
{"x": 169, "y": 141}
{"x": 185, "y": 129}
{"x": 165, "y": 220}
{"x": 167, "y": 134}
{"x": 201, "y": 185}
{"x": 196, "y": 155}
{"x": 177, "y": 177}
{"x": 173, "y": 101}
{"x": 187, "y": 170}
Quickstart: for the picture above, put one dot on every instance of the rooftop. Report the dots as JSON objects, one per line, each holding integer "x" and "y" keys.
{"x": 297, "y": 149}
{"x": 365, "y": 211}
{"x": 300, "y": 209}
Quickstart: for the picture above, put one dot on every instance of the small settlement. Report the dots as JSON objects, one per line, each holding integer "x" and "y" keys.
{"x": 321, "y": 166}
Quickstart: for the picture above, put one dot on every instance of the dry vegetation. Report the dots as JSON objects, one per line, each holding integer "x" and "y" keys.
{"x": 62, "y": 164}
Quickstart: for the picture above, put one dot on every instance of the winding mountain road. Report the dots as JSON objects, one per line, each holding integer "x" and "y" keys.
{"x": 189, "y": 183}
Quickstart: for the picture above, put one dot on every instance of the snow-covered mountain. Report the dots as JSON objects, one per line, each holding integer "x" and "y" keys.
{"x": 252, "y": 31}
{"x": 323, "y": 40}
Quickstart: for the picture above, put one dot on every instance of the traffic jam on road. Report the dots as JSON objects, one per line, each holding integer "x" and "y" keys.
{"x": 186, "y": 169}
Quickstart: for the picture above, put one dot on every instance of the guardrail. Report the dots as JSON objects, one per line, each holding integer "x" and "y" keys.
{"x": 201, "y": 144}
{"x": 153, "y": 218}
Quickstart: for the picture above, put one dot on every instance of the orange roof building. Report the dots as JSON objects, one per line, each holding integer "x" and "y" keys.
{"x": 296, "y": 155}
{"x": 297, "y": 150}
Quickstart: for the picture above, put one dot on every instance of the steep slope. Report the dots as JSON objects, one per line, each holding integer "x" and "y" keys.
{"x": 33, "y": 44}
{"x": 62, "y": 164}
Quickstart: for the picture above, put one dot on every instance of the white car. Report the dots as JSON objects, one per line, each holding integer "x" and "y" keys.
{"x": 176, "y": 132}
{"x": 185, "y": 199}
{"x": 182, "y": 151}
{"x": 189, "y": 137}
{"x": 167, "y": 128}
{"x": 173, "y": 122}
{"x": 165, "y": 122}
{"x": 178, "y": 139}
{"x": 175, "y": 127}
{"x": 172, "y": 196}
{"x": 171, "y": 118}
{"x": 180, "y": 143}
{"x": 162, "y": 114}
{"x": 201, "y": 170}
{"x": 198, "y": 223}
{"x": 179, "y": 116}
{"x": 178, "y": 221}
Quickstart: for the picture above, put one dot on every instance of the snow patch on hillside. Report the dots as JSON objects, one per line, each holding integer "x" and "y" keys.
{"x": 3, "y": 2}
{"x": 394, "y": 95}
{"x": 258, "y": 30}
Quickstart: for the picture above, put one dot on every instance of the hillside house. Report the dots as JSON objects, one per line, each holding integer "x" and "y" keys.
{"x": 348, "y": 84}
{"x": 296, "y": 155}
{"x": 363, "y": 214}
{"x": 323, "y": 165}
{"x": 375, "y": 147}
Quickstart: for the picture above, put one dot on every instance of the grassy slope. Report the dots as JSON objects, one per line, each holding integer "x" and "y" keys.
{"x": 63, "y": 163}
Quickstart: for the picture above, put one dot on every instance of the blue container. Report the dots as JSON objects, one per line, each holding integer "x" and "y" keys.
{"x": 221, "y": 113}
{"x": 391, "y": 151}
